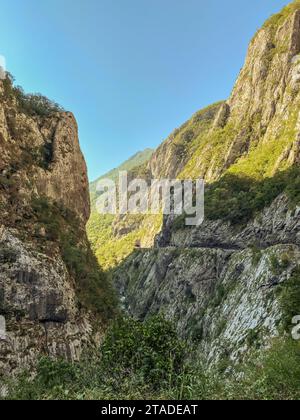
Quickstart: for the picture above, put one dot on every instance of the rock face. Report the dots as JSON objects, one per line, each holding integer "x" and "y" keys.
{"x": 220, "y": 282}
{"x": 41, "y": 162}
{"x": 170, "y": 159}
{"x": 220, "y": 286}
{"x": 38, "y": 302}
{"x": 259, "y": 120}
{"x": 42, "y": 156}
{"x": 66, "y": 178}
{"x": 277, "y": 224}
{"x": 255, "y": 133}
{"x": 220, "y": 299}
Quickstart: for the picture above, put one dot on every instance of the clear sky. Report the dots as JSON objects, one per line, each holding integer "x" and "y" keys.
{"x": 130, "y": 70}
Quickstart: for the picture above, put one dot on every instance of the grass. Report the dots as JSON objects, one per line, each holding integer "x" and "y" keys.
{"x": 148, "y": 361}
{"x": 278, "y": 19}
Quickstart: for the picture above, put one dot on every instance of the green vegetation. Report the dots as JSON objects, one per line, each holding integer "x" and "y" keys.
{"x": 219, "y": 296}
{"x": 267, "y": 156}
{"x": 242, "y": 197}
{"x": 112, "y": 238}
{"x": 289, "y": 298}
{"x": 256, "y": 255}
{"x": 134, "y": 162}
{"x": 207, "y": 148}
{"x": 150, "y": 350}
{"x": 278, "y": 266}
{"x": 29, "y": 104}
{"x": 116, "y": 249}
{"x": 61, "y": 225}
{"x": 136, "y": 359}
{"x": 186, "y": 139}
{"x": 148, "y": 361}
{"x": 7, "y": 255}
{"x": 278, "y": 19}
{"x": 46, "y": 155}
{"x": 111, "y": 248}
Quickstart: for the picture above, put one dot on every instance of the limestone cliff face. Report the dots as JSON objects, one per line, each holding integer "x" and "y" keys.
{"x": 260, "y": 117}
{"x": 170, "y": 159}
{"x": 41, "y": 168}
{"x": 66, "y": 178}
{"x": 270, "y": 68}
{"x": 266, "y": 94}
{"x": 42, "y": 155}
{"x": 218, "y": 298}
{"x": 220, "y": 282}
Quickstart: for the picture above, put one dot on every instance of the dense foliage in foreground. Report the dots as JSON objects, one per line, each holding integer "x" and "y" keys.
{"x": 148, "y": 361}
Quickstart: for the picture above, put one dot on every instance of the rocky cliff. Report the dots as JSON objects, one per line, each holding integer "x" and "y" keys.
{"x": 48, "y": 277}
{"x": 253, "y": 135}
{"x": 223, "y": 282}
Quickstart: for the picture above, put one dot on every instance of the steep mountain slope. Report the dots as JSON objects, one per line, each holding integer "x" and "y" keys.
{"x": 49, "y": 279}
{"x": 251, "y": 136}
{"x": 223, "y": 282}
{"x": 133, "y": 162}
{"x": 231, "y": 286}
{"x": 113, "y": 238}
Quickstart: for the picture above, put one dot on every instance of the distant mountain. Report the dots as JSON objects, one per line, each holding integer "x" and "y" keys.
{"x": 135, "y": 161}
{"x": 102, "y": 234}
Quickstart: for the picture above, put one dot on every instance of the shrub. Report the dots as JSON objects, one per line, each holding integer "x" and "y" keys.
{"x": 256, "y": 255}
{"x": 8, "y": 255}
{"x": 136, "y": 361}
{"x": 243, "y": 197}
{"x": 36, "y": 104}
{"x": 150, "y": 350}
{"x": 237, "y": 199}
{"x": 272, "y": 374}
{"x": 277, "y": 374}
{"x": 289, "y": 298}
{"x": 29, "y": 104}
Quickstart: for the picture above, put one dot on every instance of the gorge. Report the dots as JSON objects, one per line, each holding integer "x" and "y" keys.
{"x": 230, "y": 287}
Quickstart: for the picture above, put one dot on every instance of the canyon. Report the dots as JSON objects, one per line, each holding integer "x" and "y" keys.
{"x": 225, "y": 284}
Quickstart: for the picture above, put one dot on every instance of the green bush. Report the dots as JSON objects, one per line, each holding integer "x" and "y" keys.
{"x": 276, "y": 376}
{"x": 36, "y": 104}
{"x": 148, "y": 361}
{"x": 136, "y": 361}
{"x": 238, "y": 199}
{"x": 289, "y": 298}
{"x": 150, "y": 350}
{"x": 8, "y": 255}
{"x": 256, "y": 255}
{"x": 29, "y": 104}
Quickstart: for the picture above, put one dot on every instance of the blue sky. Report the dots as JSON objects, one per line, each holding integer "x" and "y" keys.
{"x": 130, "y": 70}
